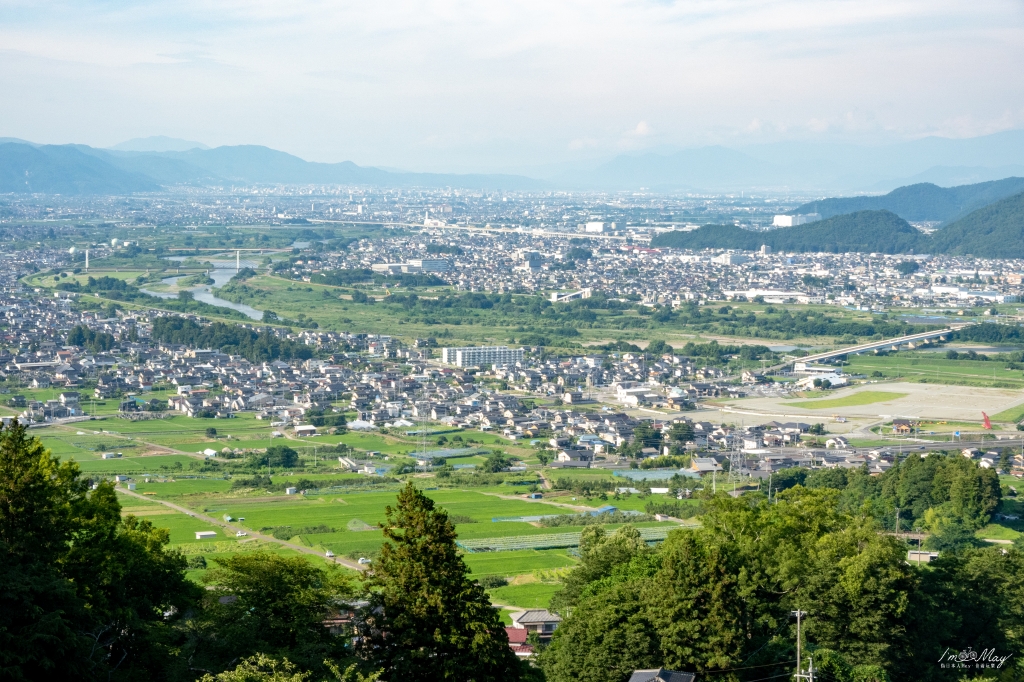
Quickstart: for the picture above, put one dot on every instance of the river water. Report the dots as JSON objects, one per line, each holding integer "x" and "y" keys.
{"x": 221, "y": 273}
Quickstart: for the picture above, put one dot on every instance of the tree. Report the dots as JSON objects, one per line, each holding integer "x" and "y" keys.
{"x": 827, "y": 478}
{"x": 260, "y": 602}
{"x": 681, "y": 432}
{"x": 275, "y": 456}
{"x": 599, "y": 554}
{"x": 427, "y": 620}
{"x": 495, "y": 462}
{"x": 83, "y": 592}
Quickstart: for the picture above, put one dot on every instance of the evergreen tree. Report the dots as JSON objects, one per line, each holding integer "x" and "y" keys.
{"x": 427, "y": 620}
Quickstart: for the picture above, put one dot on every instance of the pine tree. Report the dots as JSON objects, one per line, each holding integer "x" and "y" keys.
{"x": 427, "y": 619}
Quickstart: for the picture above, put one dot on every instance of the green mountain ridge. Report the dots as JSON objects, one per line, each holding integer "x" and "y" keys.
{"x": 921, "y": 202}
{"x": 993, "y": 231}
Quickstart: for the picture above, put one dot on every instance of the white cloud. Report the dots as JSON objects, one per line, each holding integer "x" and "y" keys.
{"x": 453, "y": 84}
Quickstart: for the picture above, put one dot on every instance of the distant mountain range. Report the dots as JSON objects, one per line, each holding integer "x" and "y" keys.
{"x": 144, "y": 163}
{"x": 995, "y": 230}
{"x": 79, "y": 169}
{"x": 810, "y": 166}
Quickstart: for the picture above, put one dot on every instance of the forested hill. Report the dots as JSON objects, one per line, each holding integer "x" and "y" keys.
{"x": 921, "y": 202}
{"x": 864, "y": 231}
{"x": 995, "y": 231}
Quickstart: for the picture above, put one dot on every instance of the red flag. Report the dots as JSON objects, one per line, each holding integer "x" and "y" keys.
{"x": 988, "y": 424}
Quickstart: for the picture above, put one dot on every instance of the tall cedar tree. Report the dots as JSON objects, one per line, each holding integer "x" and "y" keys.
{"x": 427, "y": 620}
{"x": 83, "y": 592}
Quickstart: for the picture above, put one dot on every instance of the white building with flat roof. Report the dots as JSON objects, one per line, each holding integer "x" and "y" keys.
{"x": 480, "y": 356}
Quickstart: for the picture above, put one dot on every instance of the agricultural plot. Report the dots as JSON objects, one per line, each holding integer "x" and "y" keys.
{"x": 934, "y": 368}
{"x": 549, "y": 540}
{"x": 518, "y": 563}
{"x": 525, "y": 596}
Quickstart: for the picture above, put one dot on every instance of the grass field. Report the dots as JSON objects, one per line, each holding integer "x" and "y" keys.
{"x": 859, "y": 398}
{"x": 527, "y": 596}
{"x": 935, "y": 368}
{"x": 1014, "y": 414}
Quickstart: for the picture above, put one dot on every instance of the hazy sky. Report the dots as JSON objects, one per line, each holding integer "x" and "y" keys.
{"x": 489, "y": 86}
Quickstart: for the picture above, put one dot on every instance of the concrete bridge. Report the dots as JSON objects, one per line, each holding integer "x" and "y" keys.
{"x": 911, "y": 341}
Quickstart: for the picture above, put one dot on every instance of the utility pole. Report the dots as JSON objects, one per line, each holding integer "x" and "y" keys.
{"x": 897, "y": 523}
{"x": 800, "y": 674}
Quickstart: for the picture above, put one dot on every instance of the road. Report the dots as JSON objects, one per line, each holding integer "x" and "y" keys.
{"x": 347, "y": 563}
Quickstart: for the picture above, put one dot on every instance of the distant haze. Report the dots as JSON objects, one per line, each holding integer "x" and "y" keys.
{"x": 538, "y": 87}
{"x": 157, "y": 143}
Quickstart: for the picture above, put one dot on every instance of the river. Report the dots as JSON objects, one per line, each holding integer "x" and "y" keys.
{"x": 221, "y": 273}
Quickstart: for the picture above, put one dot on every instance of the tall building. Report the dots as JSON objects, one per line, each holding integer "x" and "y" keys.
{"x": 479, "y": 356}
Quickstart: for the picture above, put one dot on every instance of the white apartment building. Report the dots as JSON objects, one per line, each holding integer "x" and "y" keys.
{"x": 481, "y": 356}
{"x": 794, "y": 220}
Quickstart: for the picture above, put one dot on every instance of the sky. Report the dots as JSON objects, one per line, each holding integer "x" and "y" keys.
{"x": 492, "y": 86}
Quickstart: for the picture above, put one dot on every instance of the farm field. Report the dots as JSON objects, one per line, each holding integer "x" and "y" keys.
{"x": 933, "y": 368}
{"x": 352, "y": 518}
{"x": 532, "y": 595}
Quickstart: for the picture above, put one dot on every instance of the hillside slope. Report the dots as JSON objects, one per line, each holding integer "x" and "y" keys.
{"x": 864, "y": 231}
{"x": 64, "y": 169}
{"x": 995, "y": 231}
{"x": 921, "y": 202}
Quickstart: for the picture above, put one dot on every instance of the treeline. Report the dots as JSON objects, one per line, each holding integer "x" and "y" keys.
{"x": 340, "y": 278}
{"x": 947, "y": 495}
{"x": 604, "y": 518}
{"x": 717, "y": 600}
{"x": 228, "y": 338}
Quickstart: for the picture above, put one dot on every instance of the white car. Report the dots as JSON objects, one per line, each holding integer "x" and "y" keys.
{"x": 364, "y": 560}
{"x": 329, "y": 554}
{"x": 241, "y": 534}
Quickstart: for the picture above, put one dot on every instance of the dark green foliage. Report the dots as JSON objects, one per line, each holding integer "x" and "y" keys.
{"x": 718, "y": 598}
{"x": 82, "y": 591}
{"x": 81, "y": 335}
{"x": 229, "y": 338}
{"x": 827, "y": 478}
{"x": 995, "y": 231}
{"x": 271, "y": 604}
{"x": 495, "y": 462}
{"x": 604, "y": 518}
{"x": 275, "y": 456}
{"x": 787, "y": 478}
{"x": 244, "y": 274}
{"x": 908, "y": 267}
{"x": 287, "y": 532}
{"x": 427, "y": 619}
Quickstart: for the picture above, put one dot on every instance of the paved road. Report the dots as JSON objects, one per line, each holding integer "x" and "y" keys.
{"x": 251, "y": 534}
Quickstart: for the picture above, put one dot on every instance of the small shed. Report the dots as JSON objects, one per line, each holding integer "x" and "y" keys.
{"x": 205, "y": 534}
